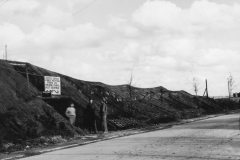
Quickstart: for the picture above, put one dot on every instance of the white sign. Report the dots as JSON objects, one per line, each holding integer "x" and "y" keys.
{"x": 53, "y": 85}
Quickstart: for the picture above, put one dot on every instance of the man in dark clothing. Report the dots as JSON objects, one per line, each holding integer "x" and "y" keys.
{"x": 239, "y": 104}
{"x": 91, "y": 109}
{"x": 87, "y": 118}
{"x": 103, "y": 114}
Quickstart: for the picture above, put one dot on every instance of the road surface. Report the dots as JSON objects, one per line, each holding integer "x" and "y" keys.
{"x": 213, "y": 139}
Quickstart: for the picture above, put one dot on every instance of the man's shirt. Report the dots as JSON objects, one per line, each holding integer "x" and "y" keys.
{"x": 71, "y": 111}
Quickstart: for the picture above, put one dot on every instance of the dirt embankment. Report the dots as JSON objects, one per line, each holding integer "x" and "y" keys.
{"x": 24, "y": 114}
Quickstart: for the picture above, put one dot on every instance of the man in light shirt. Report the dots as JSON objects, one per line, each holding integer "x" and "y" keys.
{"x": 71, "y": 114}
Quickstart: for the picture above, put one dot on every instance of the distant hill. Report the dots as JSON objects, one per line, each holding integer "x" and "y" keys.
{"x": 24, "y": 113}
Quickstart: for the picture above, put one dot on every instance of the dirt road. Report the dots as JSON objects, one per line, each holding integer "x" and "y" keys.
{"x": 215, "y": 138}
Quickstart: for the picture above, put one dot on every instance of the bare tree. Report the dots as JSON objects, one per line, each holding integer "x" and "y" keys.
{"x": 195, "y": 85}
{"x": 230, "y": 85}
{"x": 131, "y": 93}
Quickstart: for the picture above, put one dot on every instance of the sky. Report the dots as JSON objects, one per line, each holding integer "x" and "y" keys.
{"x": 161, "y": 42}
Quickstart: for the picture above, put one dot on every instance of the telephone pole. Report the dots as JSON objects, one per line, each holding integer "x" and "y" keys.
{"x": 206, "y": 90}
{"x": 6, "y": 52}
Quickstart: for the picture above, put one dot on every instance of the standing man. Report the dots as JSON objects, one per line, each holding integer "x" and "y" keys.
{"x": 91, "y": 107}
{"x": 103, "y": 114}
{"x": 71, "y": 114}
{"x": 239, "y": 104}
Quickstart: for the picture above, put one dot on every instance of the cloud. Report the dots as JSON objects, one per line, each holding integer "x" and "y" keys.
{"x": 46, "y": 39}
{"x": 10, "y": 34}
{"x": 75, "y": 67}
{"x": 202, "y": 15}
{"x": 20, "y": 6}
{"x": 214, "y": 16}
{"x": 184, "y": 66}
{"x": 164, "y": 44}
{"x": 53, "y": 15}
{"x": 158, "y": 14}
{"x": 57, "y": 62}
{"x": 180, "y": 47}
{"x": 79, "y": 36}
{"x": 163, "y": 62}
{"x": 131, "y": 51}
{"x": 123, "y": 27}
{"x": 217, "y": 57}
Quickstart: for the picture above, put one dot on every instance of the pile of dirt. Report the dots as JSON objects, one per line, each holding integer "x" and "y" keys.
{"x": 25, "y": 114}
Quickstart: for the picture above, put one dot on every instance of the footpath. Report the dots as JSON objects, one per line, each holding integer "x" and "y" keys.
{"x": 93, "y": 138}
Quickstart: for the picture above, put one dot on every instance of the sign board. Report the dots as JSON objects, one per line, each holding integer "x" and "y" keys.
{"x": 46, "y": 94}
{"x": 53, "y": 85}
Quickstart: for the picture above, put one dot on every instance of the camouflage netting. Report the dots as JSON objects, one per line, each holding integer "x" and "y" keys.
{"x": 24, "y": 113}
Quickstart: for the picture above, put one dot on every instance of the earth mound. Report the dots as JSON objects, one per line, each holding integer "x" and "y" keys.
{"x": 24, "y": 113}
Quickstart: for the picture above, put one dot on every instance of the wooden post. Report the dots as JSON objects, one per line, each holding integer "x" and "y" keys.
{"x": 204, "y": 92}
{"x": 206, "y": 89}
{"x": 27, "y": 76}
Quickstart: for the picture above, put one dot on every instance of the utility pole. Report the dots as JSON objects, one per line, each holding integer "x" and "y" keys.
{"x": 6, "y": 52}
{"x": 206, "y": 90}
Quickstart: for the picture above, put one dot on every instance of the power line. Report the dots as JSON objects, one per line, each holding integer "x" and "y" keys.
{"x": 76, "y": 12}
{"x": 67, "y": 17}
{"x": 3, "y": 3}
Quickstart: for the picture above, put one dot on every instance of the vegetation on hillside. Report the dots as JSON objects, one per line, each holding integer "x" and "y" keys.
{"x": 24, "y": 114}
